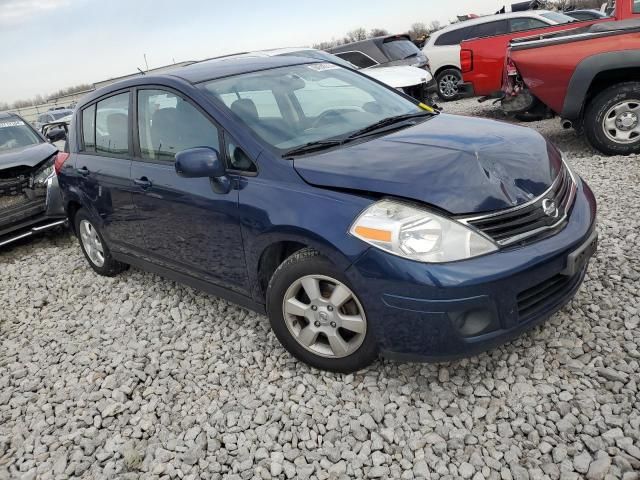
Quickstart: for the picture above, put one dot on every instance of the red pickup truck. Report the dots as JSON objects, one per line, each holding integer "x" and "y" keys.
{"x": 589, "y": 76}
{"x": 483, "y": 59}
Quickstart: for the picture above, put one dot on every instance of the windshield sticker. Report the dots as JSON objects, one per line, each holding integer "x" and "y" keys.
{"x": 321, "y": 67}
{"x": 16, "y": 123}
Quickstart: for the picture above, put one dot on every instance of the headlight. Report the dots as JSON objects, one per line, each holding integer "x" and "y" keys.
{"x": 40, "y": 177}
{"x": 418, "y": 234}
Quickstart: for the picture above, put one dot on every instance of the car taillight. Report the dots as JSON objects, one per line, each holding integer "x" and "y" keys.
{"x": 511, "y": 67}
{"x": 466, "y": 60}
{"x": 61, "y": 157}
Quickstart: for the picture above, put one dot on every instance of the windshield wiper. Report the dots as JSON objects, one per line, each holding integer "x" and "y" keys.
{"x": 313, "y": 147}
{"x": 385, "y": 122}
{"x": 411, "y": 56}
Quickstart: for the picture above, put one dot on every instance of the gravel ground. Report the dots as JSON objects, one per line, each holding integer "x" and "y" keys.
{"x": 138, "y": 377}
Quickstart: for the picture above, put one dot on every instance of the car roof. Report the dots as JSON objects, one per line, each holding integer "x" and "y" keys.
{"x": 210, "y": 69}
{"x": 233, "y": 65}
{"x": 492, "y": 18}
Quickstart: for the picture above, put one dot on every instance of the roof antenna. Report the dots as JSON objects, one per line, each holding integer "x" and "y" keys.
{"x": 145, "y": 61}
{"x": 141, "y": 71}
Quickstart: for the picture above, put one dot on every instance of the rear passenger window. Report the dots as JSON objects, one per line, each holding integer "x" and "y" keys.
{"x": 112, "y": 125}
{"x": 359, "y": 59}
{"x": 455, "y": 37}
{"x": 89, "y": 128}
{"x": 520, "y": 24}
{"x": 490, "y": 29}
{"x": 167, "y": 124}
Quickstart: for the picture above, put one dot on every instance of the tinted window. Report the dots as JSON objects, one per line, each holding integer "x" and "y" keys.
{"x": 168, "y": 124}
{"x": 558, "y": 17}
{"x": 455, "y": 37}
{"x": 582, "y": 15}
{"x": 14, "y": 133}
{"x": 238, "y": 159}
{"x": 89, "y": 128}
{"x": 359, "y": 59}
{"x": 112, "y": 125}
{"x": 636, "y": 6}
{"x": 400, "y": 49}
{"x": 489, "y": 29}
{"x": 520, "y": 24}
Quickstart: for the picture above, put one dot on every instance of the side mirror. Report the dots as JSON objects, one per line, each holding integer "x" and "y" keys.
{"x": 199, "y": 162}
{"x": 203, "y": 162}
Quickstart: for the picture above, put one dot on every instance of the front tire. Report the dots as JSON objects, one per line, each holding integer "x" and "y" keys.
{"x": 317, "y": 316}
{"x": 448, "y": 81}
{"x": 94, "y": 247}
{"x": 612, "y": 120}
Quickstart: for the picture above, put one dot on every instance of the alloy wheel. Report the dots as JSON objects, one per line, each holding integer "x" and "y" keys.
{"x": 621, "y": 123}
{"x": 449, "y": 86}
{"x": 91, "y": 243}
{"x": 324, "y": 316}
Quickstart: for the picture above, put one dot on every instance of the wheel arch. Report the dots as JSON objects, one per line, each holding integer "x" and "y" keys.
{"x": 595, "y": 73}
{"x": 271, "y": 249}
{"x": 446, "y": 67}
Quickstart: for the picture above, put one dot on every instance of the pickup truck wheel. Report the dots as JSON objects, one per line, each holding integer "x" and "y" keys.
{"x": 612, "y": 120}
{"x": 317, "y": 316}
{"x": 448, "y": 81}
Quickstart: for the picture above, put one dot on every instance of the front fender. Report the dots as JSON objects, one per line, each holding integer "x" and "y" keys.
{"x": 586, "y": 72}
{"x": 273, "y": 212}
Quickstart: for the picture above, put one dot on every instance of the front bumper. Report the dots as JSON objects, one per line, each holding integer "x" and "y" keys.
{"x": 33, "y": 217}
{"x": 445, "y": 311}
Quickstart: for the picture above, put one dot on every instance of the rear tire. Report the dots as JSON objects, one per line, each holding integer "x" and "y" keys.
{"x": 612, "y": 120}
{"x": 448, "y": 81}
{"x": 94, "y": 247}
{"x": 326, "y": 331}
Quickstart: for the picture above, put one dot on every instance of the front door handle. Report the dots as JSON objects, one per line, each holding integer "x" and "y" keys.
{"x": 84, "y": 171}
{"x": 143, "y": 182}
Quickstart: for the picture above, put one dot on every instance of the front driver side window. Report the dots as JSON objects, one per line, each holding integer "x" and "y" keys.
{"x": 168, "y": 124}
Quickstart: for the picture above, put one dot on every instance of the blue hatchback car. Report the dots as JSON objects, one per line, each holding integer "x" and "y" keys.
{"x": 360, "y": 221}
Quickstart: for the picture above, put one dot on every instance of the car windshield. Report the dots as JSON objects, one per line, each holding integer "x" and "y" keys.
{"x": 400, "y": 49}
{"x": 558, "y": 17}
{"x": 14, "y": 133}
{"x": 292, "y": 106}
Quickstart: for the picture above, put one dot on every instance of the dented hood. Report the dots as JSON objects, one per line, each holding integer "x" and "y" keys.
{"x": 458, "y": 164}
{"x": 29, "y": 156}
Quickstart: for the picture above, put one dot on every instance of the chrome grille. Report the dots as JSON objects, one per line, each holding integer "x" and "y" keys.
{"x": 529, "y": 221}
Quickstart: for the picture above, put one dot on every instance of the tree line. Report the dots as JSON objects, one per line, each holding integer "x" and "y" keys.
{"x": 40, "y": 99}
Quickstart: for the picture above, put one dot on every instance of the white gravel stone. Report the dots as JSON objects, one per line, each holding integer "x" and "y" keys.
{"x": 139, "y": 377}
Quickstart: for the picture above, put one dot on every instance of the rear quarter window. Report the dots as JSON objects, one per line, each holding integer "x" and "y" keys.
{"x": 89, "y": 128}
{"x": 358, "y": 59}
{"x": 455, "y": 37}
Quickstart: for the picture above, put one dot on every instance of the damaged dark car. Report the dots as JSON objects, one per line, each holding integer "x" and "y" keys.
{"x": 30, "y": 200}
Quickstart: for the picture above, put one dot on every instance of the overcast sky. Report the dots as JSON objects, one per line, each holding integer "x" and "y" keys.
{"x": 47, "y": 45}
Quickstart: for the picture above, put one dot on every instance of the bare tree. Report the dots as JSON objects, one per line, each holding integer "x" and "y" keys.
{"x": 357, "y": 35}
{"x": 418, "y": 30}
{"x": 434, "y": 26}
{"x": 378, "y": 32}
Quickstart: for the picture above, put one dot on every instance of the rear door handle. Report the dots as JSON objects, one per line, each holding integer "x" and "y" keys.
{"x": 143, "y": 182}
{"x": 84, "y": 171}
